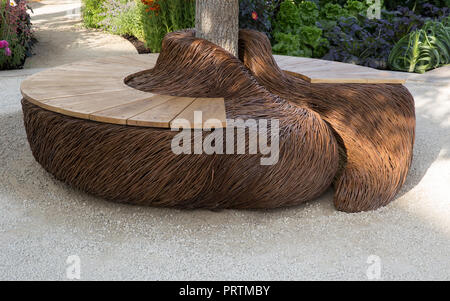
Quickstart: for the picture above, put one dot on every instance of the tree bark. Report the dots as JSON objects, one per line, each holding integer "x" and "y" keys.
{"x": 218, "y": 21}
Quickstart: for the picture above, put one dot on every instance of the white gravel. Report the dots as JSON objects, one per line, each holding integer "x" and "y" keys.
{"x": 43, "y": 221}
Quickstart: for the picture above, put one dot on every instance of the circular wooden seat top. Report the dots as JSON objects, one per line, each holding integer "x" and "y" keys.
{"x": 96, "y": 90}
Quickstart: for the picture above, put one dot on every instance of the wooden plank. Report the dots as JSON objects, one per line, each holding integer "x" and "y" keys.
{"x": 304, "y": 64}
{"x": 41, "y": 86}
{"x": 322, "y": 71}
{"x": 282, "y": 59}
{"x": 93, "y": 67}
{"x": 120, "y": 114}
{"x": 56, "y": 74}
{"x": 162, "y": 115}
{"x": 213, "y": 113}
{"x": 121, "y": 61}
{"x": 66, "y": 91}
{"x": 331, "y": 77}
{"x": 146, "y": 59}
{"x": 87, "y": 104}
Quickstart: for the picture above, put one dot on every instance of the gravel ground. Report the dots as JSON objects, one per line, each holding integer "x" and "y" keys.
{"x": 43, "y": 221}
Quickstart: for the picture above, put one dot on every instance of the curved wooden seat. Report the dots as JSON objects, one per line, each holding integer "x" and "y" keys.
{"x": 318, "y": 71}
{"x": 95, "y": 90}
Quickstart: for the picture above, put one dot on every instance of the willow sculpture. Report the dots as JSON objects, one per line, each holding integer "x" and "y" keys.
{"x": 357, "y": 137}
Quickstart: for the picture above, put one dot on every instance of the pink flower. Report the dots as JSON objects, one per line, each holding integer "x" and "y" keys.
{"x": 4, "y": 44}
{"x": 254, "y": 16}
{"x": 7, "y": 51}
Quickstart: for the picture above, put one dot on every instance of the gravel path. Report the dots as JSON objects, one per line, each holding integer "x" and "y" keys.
{"x": 43, "y": 221}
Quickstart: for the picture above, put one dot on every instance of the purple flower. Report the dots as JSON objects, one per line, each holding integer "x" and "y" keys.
{"x": 4, "y": 44}
{"x": 7, "y": 51}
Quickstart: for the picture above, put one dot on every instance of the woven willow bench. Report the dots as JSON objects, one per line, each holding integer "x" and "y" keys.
{"x": 90, "y": 128}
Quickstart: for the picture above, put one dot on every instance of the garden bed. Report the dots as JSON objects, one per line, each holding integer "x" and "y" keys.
{"x": 411, "y": 35}
{"x": 16, "y": 38}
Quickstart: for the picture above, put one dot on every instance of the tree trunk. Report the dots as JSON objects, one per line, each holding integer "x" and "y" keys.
{"x": 218, "y": 21}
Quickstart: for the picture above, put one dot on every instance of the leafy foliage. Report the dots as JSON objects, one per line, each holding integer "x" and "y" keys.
{"x": 369, "y": 42}
{"x": 288, "y": 18}
{"x": 363, "y": 45}
{"x": 287, "y": 43}
{"x": 332, "y": 12}
{"x": 355, "y": 8}
{"x": 422, "y": 49}
{"x": 93, "y": 12}
{"x": 305, "y": 19}
{"x": 309, "y": 13}
{"x": 15, "y": 28}
{"x": 163, "y": 16}
{"x": 418, "y": 6}
{"x": 123, "y": 17}
{"x": 257, "y": 15}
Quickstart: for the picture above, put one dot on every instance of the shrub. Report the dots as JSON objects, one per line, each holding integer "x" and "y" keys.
{"x": 355, "y": 8}
{"x": 418, "y": 6}
{"x": 123, "y": 17}
{"x": 295, "y": 32}
{"x": 160, "y": 17}
{"x": 422, "y": 49}
{"x": 257, "y": 15}
{"x": 15, "y": 29}
{"x": 93, "y": 12}
{"x": 287, "y": 43}
{"x": 309, "y": 13}
{"x": 369, "y": 42}
{"x": 305, "y": 19}
{"x": 288, "y": 18}
{"x": 332, "y": 12}
{"x": 364, "y": 43}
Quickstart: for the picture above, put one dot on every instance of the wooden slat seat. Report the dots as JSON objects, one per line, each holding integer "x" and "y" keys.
{"x": 320, "y": 71}
{"x": 95, "y": 90}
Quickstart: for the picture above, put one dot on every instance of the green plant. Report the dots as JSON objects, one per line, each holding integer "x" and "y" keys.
{"x": 287, "y": 44}
{"x": 288, "y": 18}
{"x": 309, "y": 13}
{"x": 160, "y": 17}
{"x": 332, "y": 12}
{"x": 422, "y": 49}
{"x": 311, "y": 42}
{"x": 355, "y": 8}
{"x": 416, "y": 5}
{"x": 93, "y": 12}
{"x": 296, "y": 32}
{"x": 123, "y": 17}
